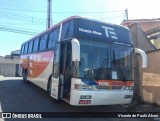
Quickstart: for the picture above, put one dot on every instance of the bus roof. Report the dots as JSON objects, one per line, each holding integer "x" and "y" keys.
{"x": 74, "y": 17}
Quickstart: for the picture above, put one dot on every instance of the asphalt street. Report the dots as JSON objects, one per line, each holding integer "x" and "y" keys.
{"x": 16, "y": 96}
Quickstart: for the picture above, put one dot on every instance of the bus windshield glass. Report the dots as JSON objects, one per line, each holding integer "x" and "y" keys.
{"x": 101, "y": 61}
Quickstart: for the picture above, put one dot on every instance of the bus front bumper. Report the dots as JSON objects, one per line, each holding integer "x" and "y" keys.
{"x": 100, "y": 97}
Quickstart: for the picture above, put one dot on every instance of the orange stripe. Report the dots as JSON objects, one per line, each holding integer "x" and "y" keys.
{"x": 116, "y": 82}
{"x": 39, "y": 62}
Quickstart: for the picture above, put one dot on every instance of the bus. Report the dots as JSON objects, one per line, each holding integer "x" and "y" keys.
{"x": 82, "y": 61}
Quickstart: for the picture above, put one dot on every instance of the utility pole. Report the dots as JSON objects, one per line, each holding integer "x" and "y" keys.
{"x": 126, "y": 13}
{"x": 49, "y": 15}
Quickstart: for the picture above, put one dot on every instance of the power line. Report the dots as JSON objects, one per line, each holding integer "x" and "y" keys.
{"x": 18, "y": 30}
{"x": 19, "y": 15}
{"x": 64, "y": 11}
{"x": 23, "y": 10}
{"x": 18, "y": 4}
{"x": 22, "y": 18}
{"x": 23, "y": 23}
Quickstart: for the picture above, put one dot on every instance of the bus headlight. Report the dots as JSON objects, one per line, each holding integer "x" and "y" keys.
{"x": 88, "y": 87}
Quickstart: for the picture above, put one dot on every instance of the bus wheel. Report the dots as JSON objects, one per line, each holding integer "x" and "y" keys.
{"x": 25, "y": 77}
{"x": 49, "y": 85}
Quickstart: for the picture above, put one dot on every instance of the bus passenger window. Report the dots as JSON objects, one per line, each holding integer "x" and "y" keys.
{"x": 30, "y": 47}
{"x": 26, "y": 48}
{"x": 22, "y": 49}
{"x": 56, "y": 35}
{"x": 67, "y": 30}
{"x": 36, "y": 45}
{"x": 43, "y": 42}
{"x": 53, "y": 38}
{"x": 51, "y": 41}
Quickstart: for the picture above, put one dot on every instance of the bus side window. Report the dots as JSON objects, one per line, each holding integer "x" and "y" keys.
{"x": 68, "y": 29}
{"x": 56, "y": 62}
{"x": 57, "y": 54}
{"x": 53, "y": 38}
{"x": 22, "y": 49}
{"x": 36, "y": 45}
{"x": 30, "y": 46}
{"x": 51, "y": 42}
{"x": 56, "y": 35}
{"x": 43, "y": 42}
{"x": 26, "y": 48}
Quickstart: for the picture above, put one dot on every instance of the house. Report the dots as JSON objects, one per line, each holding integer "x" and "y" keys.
{"x": 145, "y": 34}
{"x": 15, "y": 53}
{"x": 151, "y": 28}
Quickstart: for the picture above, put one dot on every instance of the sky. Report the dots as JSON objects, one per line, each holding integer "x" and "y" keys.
{"x": 20, "y": 20}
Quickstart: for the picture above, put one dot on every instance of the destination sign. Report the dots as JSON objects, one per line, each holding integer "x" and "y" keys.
{"x": 105, "y": 32}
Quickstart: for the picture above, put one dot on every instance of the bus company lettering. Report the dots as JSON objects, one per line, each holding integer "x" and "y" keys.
{"x": 104, "y": 83}
{"x": 110, "y": 32}
{"x": 90, "y": 31}
{"x": 40, "y": 58}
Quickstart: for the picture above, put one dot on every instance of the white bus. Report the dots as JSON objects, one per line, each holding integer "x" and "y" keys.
{"x": 83, "y": 62}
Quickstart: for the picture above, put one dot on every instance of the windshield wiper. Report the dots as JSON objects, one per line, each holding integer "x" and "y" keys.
{"x": 124, "y": 77}
{"x": 119, "y": 66}
{"x": 103, "y": 65}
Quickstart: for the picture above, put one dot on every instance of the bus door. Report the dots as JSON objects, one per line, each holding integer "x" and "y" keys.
{"x": 66, "y": 69}
{"x": 55, "y": 85}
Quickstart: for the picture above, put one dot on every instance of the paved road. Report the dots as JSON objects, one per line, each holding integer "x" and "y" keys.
{"x": 16, "y": 96}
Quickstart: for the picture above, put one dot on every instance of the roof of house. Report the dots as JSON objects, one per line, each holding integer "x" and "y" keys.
{"x": 145, "y": 24}
{"x": 16, "y": 52}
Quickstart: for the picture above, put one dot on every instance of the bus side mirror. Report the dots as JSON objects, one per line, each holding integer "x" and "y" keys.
{"x": 143, "y": 55}
{"x": 75, "y": 50}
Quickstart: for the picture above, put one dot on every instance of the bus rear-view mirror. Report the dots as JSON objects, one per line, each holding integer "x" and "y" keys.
{"x": 143, "y": 55}
{"x": 75, "y": 50}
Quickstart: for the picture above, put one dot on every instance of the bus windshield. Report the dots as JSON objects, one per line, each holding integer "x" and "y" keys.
{"x": 101, "y": 61}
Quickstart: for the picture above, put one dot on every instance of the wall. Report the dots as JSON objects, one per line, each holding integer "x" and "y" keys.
{"x": 150, "y": 86}
{"x": 147, "y": 81}
{"x": 8, "y": 66}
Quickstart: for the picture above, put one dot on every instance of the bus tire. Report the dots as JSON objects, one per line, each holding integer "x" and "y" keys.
{"x": 25, "y": 76}
{"x": 49, "y": 85}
